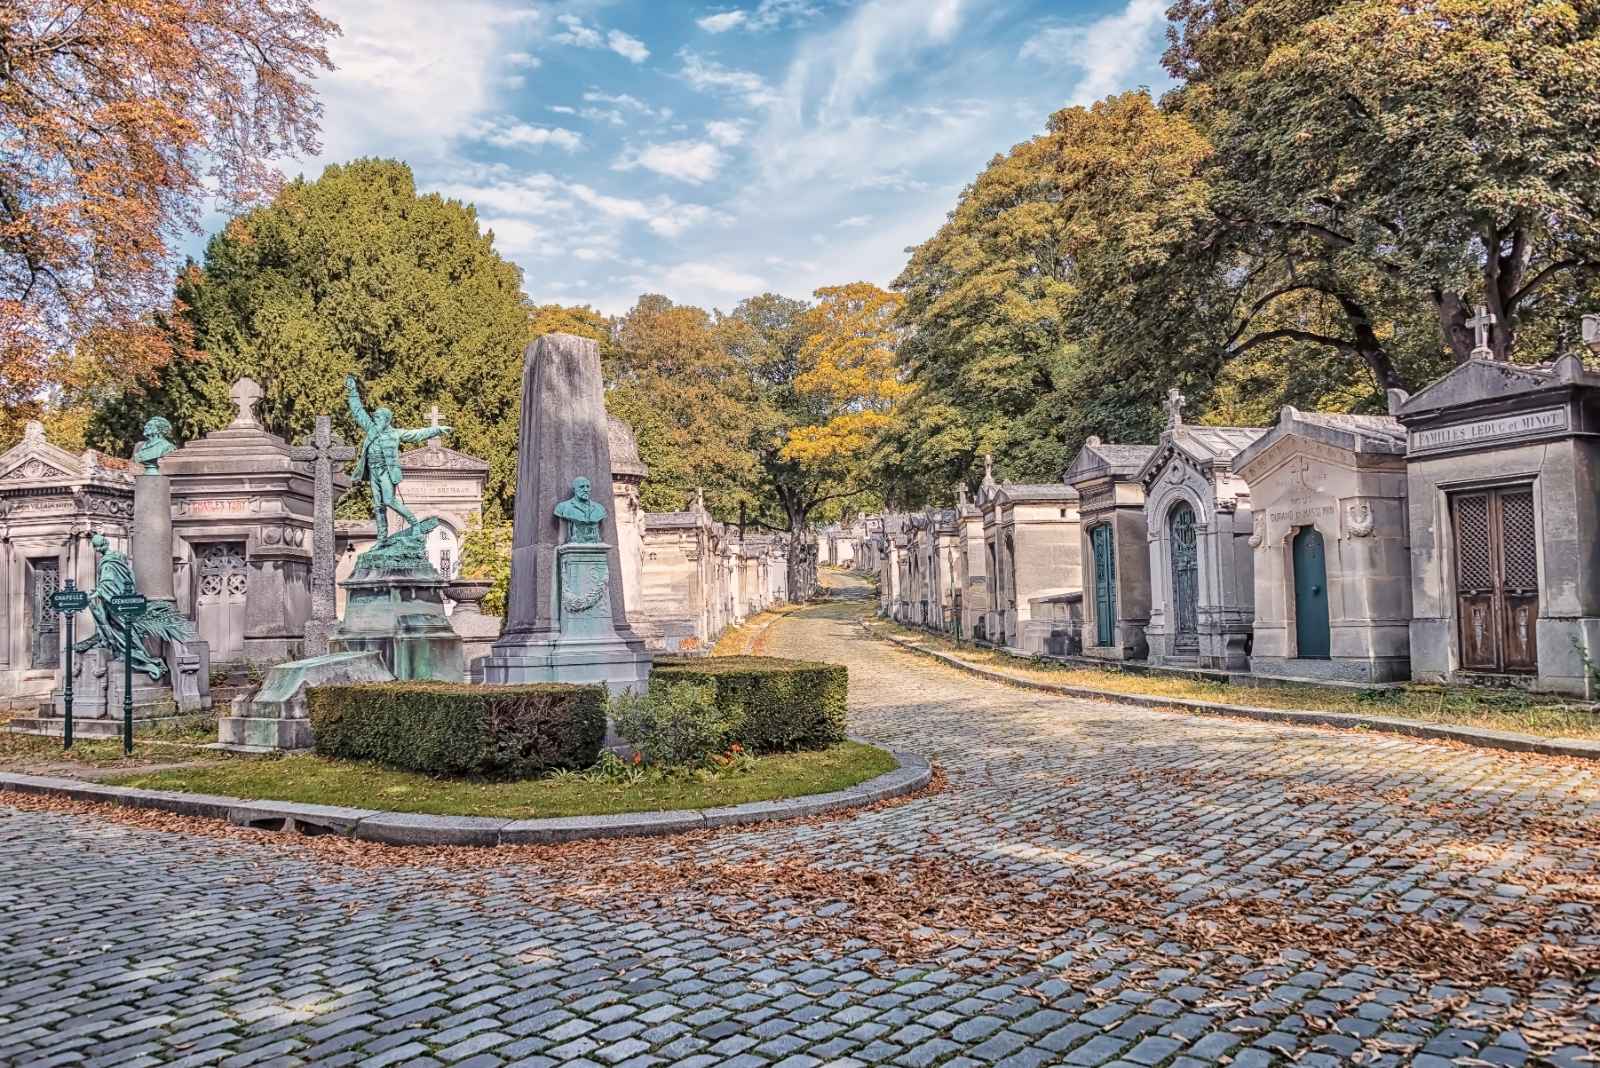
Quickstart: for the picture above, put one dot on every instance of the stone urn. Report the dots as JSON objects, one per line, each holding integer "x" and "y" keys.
{"x": 468, "y": 594}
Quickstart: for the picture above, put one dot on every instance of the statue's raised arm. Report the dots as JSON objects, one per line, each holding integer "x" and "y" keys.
{"x": 352, "y": 396}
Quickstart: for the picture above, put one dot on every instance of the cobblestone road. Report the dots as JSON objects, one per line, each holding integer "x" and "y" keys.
{"x": 1094, "y": 885}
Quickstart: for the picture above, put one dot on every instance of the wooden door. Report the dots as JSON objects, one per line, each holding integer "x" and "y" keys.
{"x": 1185, "y": 579}
{"x": 1497, "y": 579}
{"x": 1105, "y": 585}
{"x": 1310, "y": 595}
{"x": 219, "y": 598}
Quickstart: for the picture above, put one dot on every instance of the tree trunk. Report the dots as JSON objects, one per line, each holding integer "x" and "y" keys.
{"x": 801, "y": 568}
{"x": 1371, "y": 347}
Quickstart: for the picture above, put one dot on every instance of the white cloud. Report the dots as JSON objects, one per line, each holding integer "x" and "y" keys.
{"x": 512, "y": 133}
{"x": 714, "y": 277}
{"x": 579, "y": 34}
{"x": 630, "y": 48}
{"x": 894, "y": 182}
{"x": 525, "y": 60}
{"x": 628, "y": 101}
{"x": 726, "y": 134}
{"x": 1105, "y": 51}
{"x": 561, "y": 109}
{"x": 722, "y": 22}
{"x": 687, "y": 161}
{"x": 854, "y": 222}
{"x": 708, "y": 76}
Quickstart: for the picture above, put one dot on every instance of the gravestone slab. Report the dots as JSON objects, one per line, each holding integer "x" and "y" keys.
{"x": 277, "y": 717}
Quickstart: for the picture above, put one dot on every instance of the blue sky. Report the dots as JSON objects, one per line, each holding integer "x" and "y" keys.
{"x": 713, "y": 151}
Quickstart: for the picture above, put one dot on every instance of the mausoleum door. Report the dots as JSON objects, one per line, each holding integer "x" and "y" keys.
{"x": 1310, "y": 595}
{"x": 1105, "y": 584}
{"x": 1497, "y": 579}
{"x": 1185, "y": 578}
{"x": 43, "y": 579}
{"x": 219, "y": 598}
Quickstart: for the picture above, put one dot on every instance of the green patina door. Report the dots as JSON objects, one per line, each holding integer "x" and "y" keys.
{"x": 1310, "y": 595}
{"x": 1105, "y": 585}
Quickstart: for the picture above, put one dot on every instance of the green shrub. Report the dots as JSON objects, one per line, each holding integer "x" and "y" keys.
{"x": 674, "y": 724}
{"x": 776, "y": 705}
{"x": 450, "y": 729}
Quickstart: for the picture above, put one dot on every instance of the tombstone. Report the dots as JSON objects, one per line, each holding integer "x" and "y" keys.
{"x": 566, "y": 620}
{"x": 1115, "y": 548}
{"x": 1332, "y": 556}
{"x": 1503, "y": 472}
{"x": 242, "y": 518}
{"x": 1198, "y": 522}
{"x": 440, "y": 484}
{"x": 49, "y": 499}
{"x": 327, "y": 455}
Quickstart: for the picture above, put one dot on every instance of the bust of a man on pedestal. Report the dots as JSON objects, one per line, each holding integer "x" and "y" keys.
{"x": 582, "y": 514}
{"x": 156, "y": 444}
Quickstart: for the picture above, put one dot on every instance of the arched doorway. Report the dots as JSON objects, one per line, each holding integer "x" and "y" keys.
{"x": 1185, "y": 580}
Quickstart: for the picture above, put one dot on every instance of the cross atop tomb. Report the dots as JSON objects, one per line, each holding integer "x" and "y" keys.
{"x": 325, "y": 450}
{"x": 245, "y": 394}
{"x": 433, "y": 421}
{"x": 1174, "y": 406}
{"x": 1481, "y": 324}
{"x": 988, "y": 469}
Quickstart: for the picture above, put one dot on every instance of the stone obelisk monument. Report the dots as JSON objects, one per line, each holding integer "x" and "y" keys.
{"x": 565, "y": 619}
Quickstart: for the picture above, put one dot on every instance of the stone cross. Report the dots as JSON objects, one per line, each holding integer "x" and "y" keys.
{"x": 244, "y": 394}
{"x": 325, "y": 450}
{"x": 433, "y": 420}
{"x": 1174, "y": 406}
{"x": 1481, "y": 324}
{"x": 988, "y": 469}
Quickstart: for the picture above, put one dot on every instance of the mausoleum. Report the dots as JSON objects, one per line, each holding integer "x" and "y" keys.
{"x": 1197, "y": 519}
{"x": 1503, "y": 473}
{"x": 1114, "y": 550}
{"x": 1332, "y": 562}
{"x": 1039, "y": 556}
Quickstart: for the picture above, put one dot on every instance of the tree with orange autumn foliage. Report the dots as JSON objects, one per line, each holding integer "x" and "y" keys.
{"x": 118, "y": 119}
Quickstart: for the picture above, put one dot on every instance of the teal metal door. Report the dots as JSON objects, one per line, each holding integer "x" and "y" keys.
{"x": 1185, "y": 580}
{"x": 1310, "y": 595}
{"x": 1105, "y": 585}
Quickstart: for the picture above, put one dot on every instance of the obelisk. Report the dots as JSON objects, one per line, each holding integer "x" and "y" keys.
{"x": 564, "y": 438}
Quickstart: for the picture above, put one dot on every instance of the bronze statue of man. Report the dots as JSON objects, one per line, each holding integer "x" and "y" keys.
{"x": 156, "y": 444}
{"x": 378, "y": 458}
{"x": 582, "y": 513}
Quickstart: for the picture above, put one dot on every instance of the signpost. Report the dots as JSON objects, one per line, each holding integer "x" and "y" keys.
{"x": 69, "y": 601}
{"x": 129, "y": 607}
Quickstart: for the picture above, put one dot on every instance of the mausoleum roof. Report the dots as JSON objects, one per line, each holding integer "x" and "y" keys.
{"x": 1097, "y": 459}
{"x": 441, "y": 458}
{"x": 1352, "y": 433}
{"x": 33, "y": 460}
{"x": 1481, "y": 381}
{"x": 1206, "y": 446}
{"x": 624, "y": 449}
{"x": 1037, "y": 491}
{"x": 672, "y": 520}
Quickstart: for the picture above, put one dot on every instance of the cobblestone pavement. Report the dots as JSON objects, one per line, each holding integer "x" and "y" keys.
{"x": 1095, "y": 884}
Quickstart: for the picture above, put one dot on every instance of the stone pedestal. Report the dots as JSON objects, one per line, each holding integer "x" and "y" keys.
{"x": 394, "y": 607}
{"x": 587, "y": 648}
{"x": 89, "y": 685}
{"x": 190, "y": 665}
{"x": 277, "y": 717}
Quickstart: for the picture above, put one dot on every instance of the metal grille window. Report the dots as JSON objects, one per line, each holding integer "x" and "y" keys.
{"x": 44, "y": 579}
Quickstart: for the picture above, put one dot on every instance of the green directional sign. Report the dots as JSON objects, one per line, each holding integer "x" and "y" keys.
{"x": 129, "y": 605}
{"x": 69, "y": 600}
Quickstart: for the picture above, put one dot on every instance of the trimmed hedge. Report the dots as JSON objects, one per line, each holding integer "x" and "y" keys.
{"x": 777, "y": 705}
{"x": 451, "y": 729}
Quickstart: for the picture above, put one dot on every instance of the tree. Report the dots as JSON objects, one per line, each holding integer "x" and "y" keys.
{"x": 578, "y": 320}
{"x": 828, "y": 380}
{"x": 689, "y": 403}
{"x": 352, "y": 273}
{"x": 1374, "y": 162}
{"x": 116, "y": 119}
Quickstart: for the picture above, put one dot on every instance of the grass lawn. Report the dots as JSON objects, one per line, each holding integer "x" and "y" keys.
{"x": 322, "y": 781}
{"x": 1506, "y": 710}
{"x": 20, "y": 752}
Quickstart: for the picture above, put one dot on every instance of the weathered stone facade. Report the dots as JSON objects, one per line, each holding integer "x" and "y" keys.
{"x": 1198, "y": 526}
{"x": 1332, "y": 550}
{"x": 1115, "y": 548}
{"x": 50, "y": 501}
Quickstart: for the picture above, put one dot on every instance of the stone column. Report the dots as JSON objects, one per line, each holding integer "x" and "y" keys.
{"x": 152, "y": 537}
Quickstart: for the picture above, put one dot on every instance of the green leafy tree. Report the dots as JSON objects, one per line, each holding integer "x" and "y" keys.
{"x": 689, "y": 402}
{"x": 352, "y": 273}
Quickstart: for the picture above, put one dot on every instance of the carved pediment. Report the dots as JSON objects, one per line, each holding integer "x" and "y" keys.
{"x": 32, "y": 469}
{"x": 441, "y": 459}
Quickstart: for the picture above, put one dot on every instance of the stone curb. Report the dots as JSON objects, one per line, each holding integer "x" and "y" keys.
{"x": 1483, "y": 737}
{"x": 408, "y": 828}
